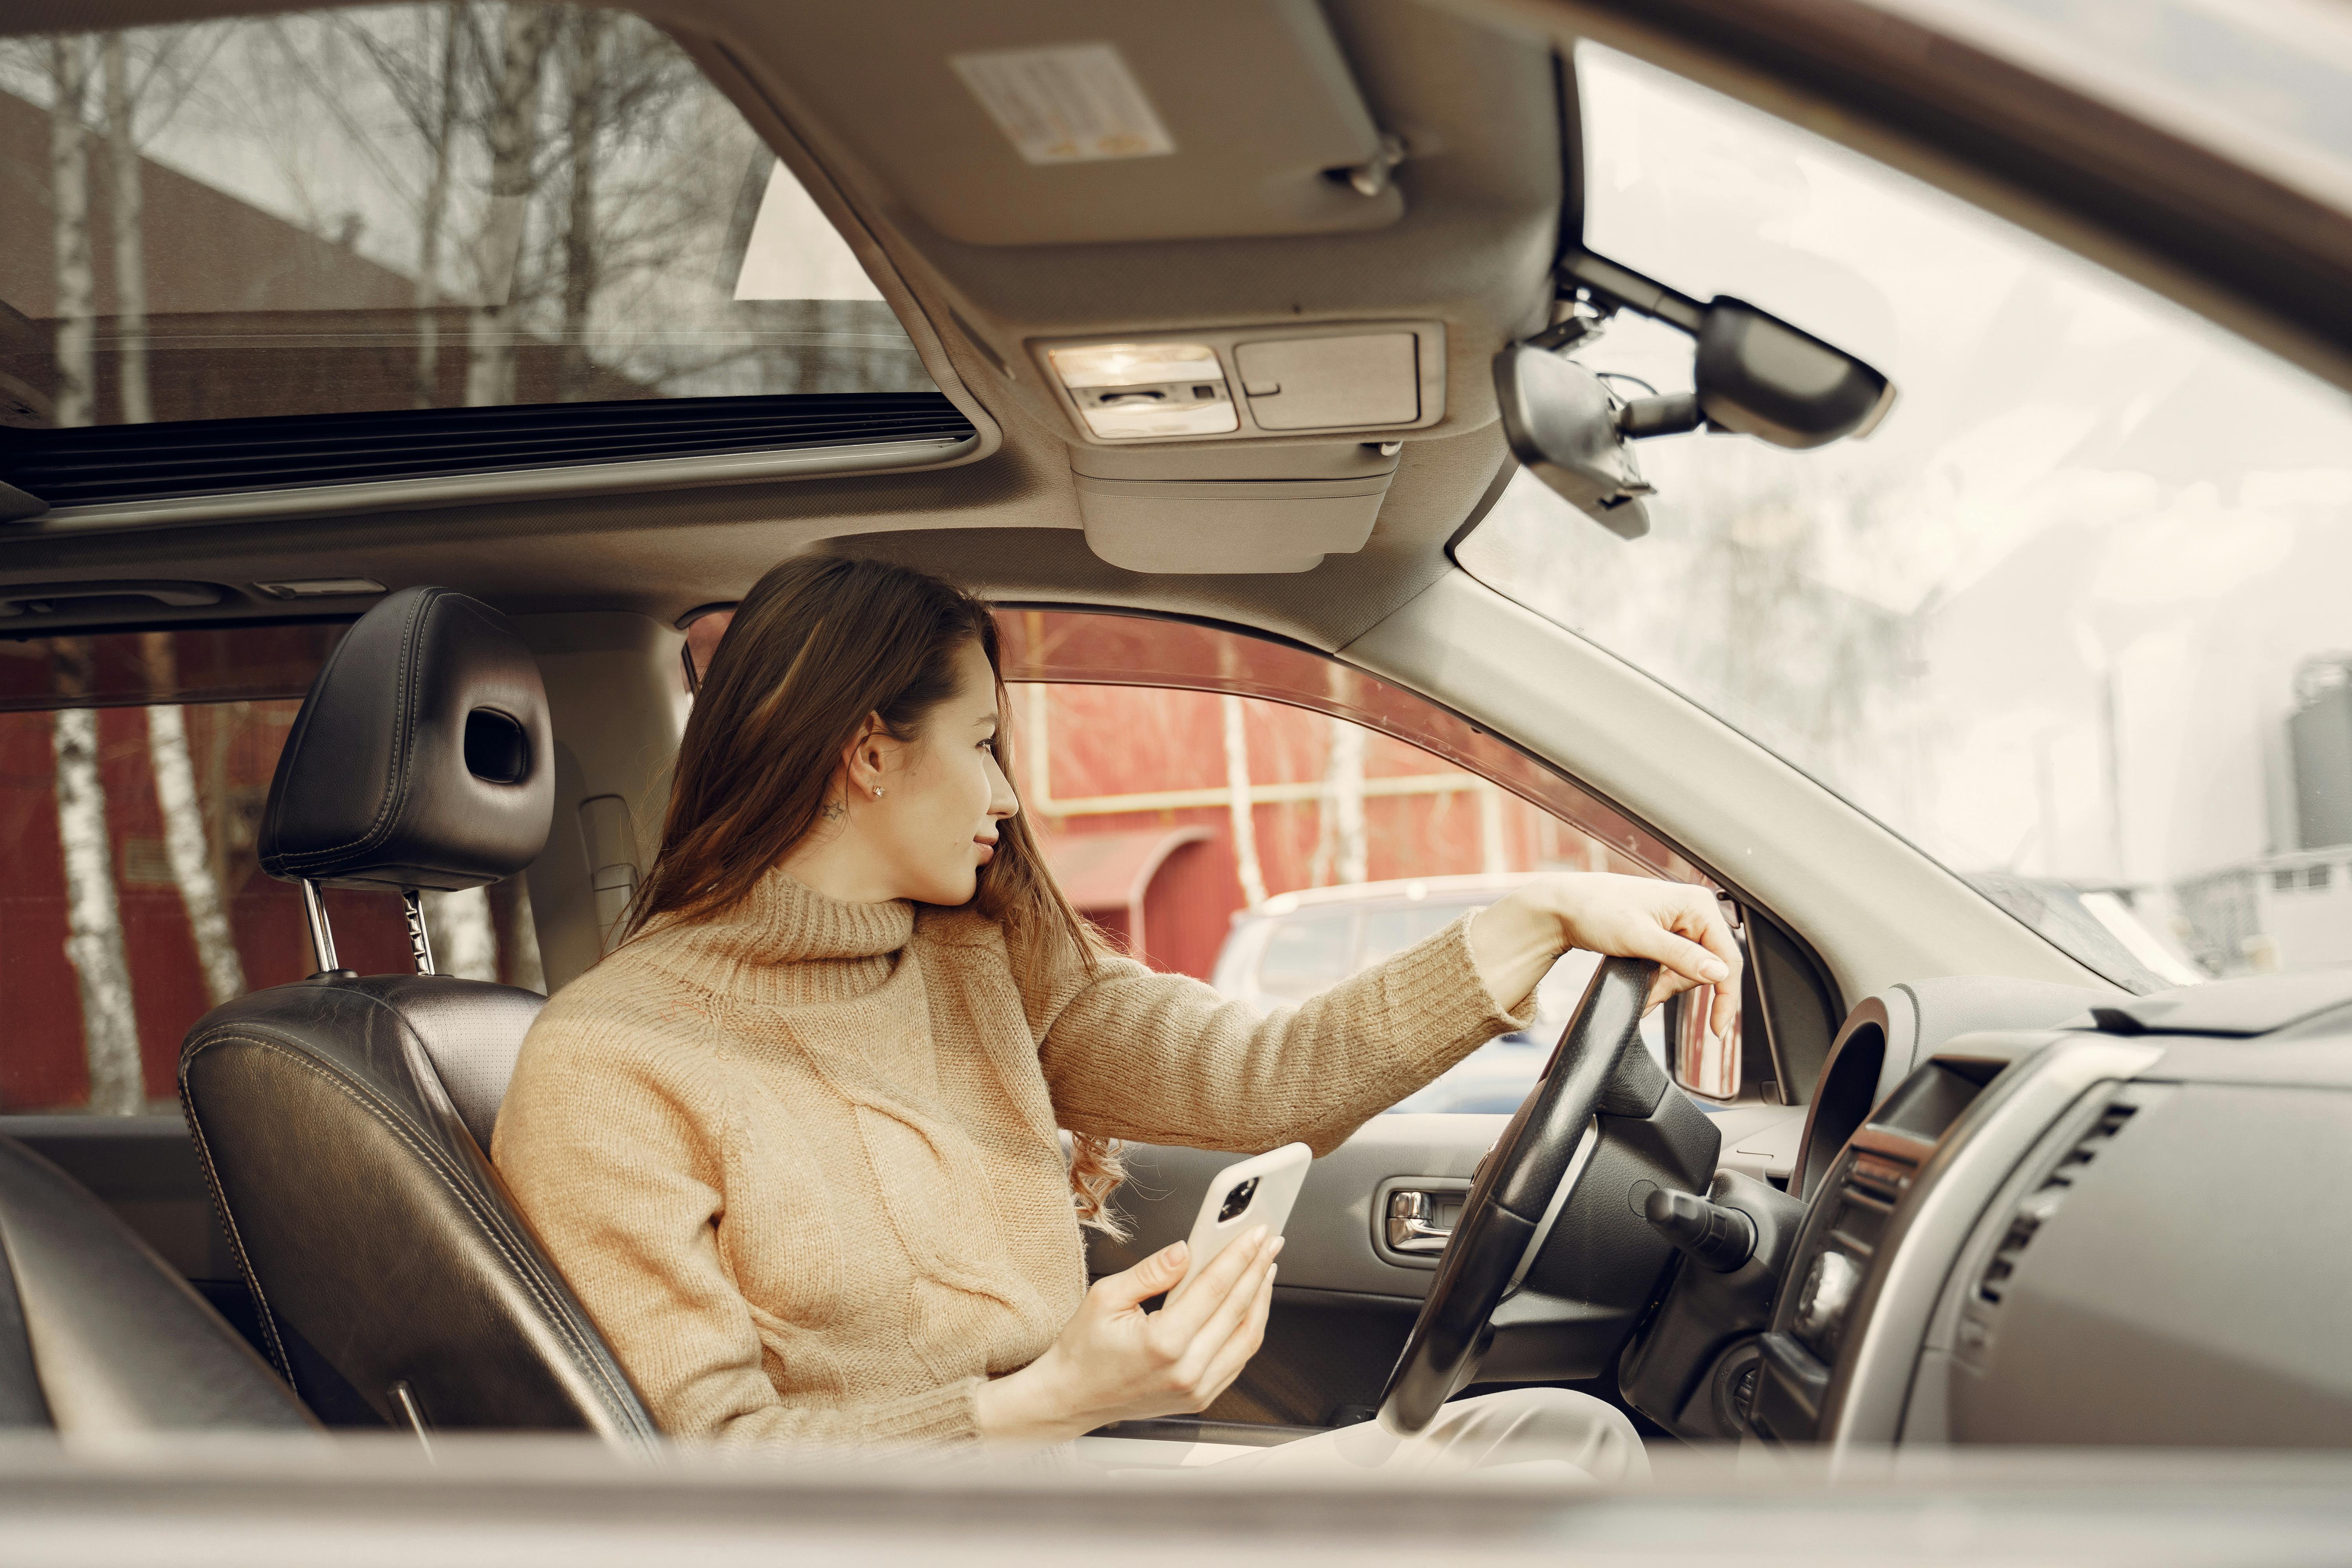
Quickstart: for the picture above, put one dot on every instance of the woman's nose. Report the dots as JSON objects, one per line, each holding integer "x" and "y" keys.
{"x": 1001, "y": 801}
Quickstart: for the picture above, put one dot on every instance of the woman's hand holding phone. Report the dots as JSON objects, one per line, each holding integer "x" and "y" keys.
{"x": 1115, "y": 1362}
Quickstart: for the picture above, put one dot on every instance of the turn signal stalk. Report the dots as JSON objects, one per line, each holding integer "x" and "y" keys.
{"x": 1716, "y": 1237}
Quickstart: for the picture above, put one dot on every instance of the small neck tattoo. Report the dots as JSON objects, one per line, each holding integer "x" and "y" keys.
{"x": 835, "y": 811}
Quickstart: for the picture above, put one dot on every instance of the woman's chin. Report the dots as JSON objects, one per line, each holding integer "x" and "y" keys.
{"x": 947, "y": 893}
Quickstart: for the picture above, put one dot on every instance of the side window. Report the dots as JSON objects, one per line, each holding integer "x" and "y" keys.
{"x": 1389, "y": 932}
{"x": 1305, "y": 955}
{"x": 133, "y": 772}
{"x": 1264, "y": 820}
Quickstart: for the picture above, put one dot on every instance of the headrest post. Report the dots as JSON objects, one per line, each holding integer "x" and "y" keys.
{"x": 322, "y": 935}
{"x": 420, "y": 943}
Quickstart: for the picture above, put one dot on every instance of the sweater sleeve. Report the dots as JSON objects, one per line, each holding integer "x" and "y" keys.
{"x": 612, "y": 1153}
{"x": 1163, "y": 1058}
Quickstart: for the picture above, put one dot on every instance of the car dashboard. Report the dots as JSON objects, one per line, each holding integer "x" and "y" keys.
{"x": 2125, "y": 1228}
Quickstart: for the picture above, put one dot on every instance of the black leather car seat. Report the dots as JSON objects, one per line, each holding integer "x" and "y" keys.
{"x": 341, "y": 1121}
{"x": 99, "y": 1336}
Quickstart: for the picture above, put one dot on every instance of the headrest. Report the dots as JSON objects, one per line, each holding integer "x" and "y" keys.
{"x": 421, "y": 758}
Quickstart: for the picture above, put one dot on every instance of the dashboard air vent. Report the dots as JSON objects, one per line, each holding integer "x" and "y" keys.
{"x": 2035, "y": 1210}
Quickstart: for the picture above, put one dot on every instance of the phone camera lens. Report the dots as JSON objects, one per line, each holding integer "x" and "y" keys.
{"x": 1237, "y": 1200}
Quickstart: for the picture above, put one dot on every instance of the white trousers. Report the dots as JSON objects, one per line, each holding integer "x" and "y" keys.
{"x": 1541, "y": 1435}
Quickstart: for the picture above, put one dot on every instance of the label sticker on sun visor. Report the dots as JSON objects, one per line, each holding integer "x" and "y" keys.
{"x": 1069, "y": 103}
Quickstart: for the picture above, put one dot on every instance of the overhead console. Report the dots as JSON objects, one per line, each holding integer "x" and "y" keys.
{"x": 1233, "y": 382}
{"x": 1177, "y": 465}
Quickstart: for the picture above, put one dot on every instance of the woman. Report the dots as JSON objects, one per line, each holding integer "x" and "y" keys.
{"x": 795, "y": 1143}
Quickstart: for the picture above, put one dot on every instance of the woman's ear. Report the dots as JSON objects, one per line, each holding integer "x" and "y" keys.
{"x": 867, "y": 759}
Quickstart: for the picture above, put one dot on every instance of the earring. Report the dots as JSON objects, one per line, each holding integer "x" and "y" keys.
{"x": 877, "y": 792}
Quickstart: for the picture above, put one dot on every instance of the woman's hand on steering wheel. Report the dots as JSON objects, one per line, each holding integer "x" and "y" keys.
{"x": 1680, "y": 926}
{"x": 1115, "y": 1362}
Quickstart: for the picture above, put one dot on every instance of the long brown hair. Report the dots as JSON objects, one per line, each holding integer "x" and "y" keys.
{"x": 819, "y": 647}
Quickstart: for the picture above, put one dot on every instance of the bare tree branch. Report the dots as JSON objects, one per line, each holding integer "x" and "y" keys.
{"x": 513, "y": 136}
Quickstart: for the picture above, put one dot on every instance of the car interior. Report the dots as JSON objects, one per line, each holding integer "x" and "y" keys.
{"x": 1255, "y": 360}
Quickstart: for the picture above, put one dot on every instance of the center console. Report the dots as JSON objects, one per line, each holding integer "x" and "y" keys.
{"x": 1846, "y": 1231}
{"x": 2120, "y": 1229}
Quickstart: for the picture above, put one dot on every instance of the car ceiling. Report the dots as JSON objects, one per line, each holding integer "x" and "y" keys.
{"x": 1487, "y": 192}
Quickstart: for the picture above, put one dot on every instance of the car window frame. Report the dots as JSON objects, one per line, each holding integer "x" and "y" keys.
{"x": 1785, "y": 1023}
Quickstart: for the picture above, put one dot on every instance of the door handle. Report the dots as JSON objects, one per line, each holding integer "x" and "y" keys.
{"x": 1414, "y": 1220}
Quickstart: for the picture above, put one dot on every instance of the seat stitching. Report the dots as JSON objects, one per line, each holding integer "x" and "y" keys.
{"x": 525, "y": 1270}
{"x": 228, "y": 1222}
{"x": 407, "y": 673}
{"x": 527, "y": 1274}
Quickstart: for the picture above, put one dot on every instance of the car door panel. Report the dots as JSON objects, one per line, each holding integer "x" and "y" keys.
{"x": 1342, "y": 1308}
{"x": 1330, "y": 1244}
{"x": 1345, "y": 1301}
{"x": 145, "y": 1168}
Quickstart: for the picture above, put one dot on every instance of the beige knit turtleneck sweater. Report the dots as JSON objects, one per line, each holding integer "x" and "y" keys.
{"x": 801, "y": 1162}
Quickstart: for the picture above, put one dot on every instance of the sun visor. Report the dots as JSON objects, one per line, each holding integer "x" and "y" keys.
{"x": 1193, "y": 511}
{"x": 1061, "y": 122}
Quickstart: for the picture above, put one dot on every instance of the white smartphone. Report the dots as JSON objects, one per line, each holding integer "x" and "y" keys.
{"x": 1253, "y": 1192}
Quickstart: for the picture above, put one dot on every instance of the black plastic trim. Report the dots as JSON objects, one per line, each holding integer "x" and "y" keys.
{"x": 109, "y": 464}
{"x": 2273, "y": 250}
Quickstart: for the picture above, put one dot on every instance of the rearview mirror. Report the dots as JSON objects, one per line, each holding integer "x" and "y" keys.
{"x": 1762, "y": 377}
{"x": 1753, "y": 374}
{"x": 1562, "y": 424}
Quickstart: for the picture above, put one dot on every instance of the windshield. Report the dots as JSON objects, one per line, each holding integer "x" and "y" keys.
{"x": 2265, "y": 82}
{"x": 2073, "y": 619}
{"x": 405, "y": 207}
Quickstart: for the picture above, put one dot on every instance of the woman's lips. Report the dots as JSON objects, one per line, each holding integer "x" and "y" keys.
{"x": 987, "y": 850}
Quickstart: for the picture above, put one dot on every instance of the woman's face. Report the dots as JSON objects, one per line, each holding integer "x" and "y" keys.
{"x": 934, "y": 825}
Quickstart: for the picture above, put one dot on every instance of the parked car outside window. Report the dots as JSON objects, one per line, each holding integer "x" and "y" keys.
{"x": 1299, "y": 943}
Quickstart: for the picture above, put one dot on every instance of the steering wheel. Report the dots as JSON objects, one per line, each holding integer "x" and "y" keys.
{"x": 1598, "y": 1068}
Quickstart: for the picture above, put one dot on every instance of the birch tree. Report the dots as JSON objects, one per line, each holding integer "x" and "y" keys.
{"x": 1342, "y": 848}
{"x": 93, "y": 914}
{"x": 436, "y": 118}
{"x": 1494, "y": 856}
{"x": 574, "y": 367}
{"x": 1351, "y": 848}
{"x": 76, "y": 399}
{"x": 186, "y": 845}
{"x": 1237, "y": 789}
{"x": 464, "y": 934}
{"x": 109, "y": 1022}
{"x": 498, "y": 247}
{"x": 130, "y": 245}
{"x": 518, "y": 934}
{"x": 1036, "y": 741}
{"x": 425, "y": 73}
